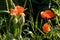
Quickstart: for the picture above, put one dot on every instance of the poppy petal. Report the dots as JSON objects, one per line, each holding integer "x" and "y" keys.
{"x": 46, "y": 28}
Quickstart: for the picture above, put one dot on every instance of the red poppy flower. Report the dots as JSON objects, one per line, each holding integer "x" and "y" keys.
{"x": 13, "y": 12}
{"x": 43, "y": 14}
{"x": 18, "y": 10}
{"x": 46, "y": 28}
{"x": 47, "y": 14}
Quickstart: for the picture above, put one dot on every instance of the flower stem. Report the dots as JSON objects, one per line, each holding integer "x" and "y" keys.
{"x": 7, "y": 5}
{"x": 57, "y": 21}
{"x": 12, "y": 3}
{"x": 49, "y": 21}
{"x": 40, "y": 31}
{"x": 50, "y": 4}
{"x": 25, "y": 3}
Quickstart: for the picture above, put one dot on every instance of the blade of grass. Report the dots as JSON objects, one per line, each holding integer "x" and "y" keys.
{"x": 31, "y": 17}
{"x": 31, "y": 7}
{"x": 36, "y": 23}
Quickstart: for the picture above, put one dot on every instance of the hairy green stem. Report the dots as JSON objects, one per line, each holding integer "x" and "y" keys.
{"x": 50, "y": 4}
{"x": 12, "y": 3}
{"x": 7, "y": 5}
{"x": 57, "y": 21}
{"x": 25, "y": 3}
{"x": 40, "y": 31}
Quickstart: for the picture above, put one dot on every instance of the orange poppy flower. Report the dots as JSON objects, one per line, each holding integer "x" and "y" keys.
{"x": 18, "y": 10}
{"x": 43, "y": 14}
{"x": 13, "y": 12}
{"x": 46, "y": 28}
{"x": 47, "y": 14}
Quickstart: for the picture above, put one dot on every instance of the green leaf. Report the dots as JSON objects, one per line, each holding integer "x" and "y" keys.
{"x": 56, "y": 11}
{"x": 58, "y": 34}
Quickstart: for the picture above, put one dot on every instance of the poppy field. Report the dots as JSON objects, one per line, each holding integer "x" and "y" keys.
{"x": 29, "y": 19}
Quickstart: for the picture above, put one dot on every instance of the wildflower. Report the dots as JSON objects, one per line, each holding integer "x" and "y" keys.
{"x": 46, "y": 27}
{"x": 43, "y": 14}
{"x": 18, "y": 10}
{"x": 13, "y": 12}
{"x": 47, "y": 14}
